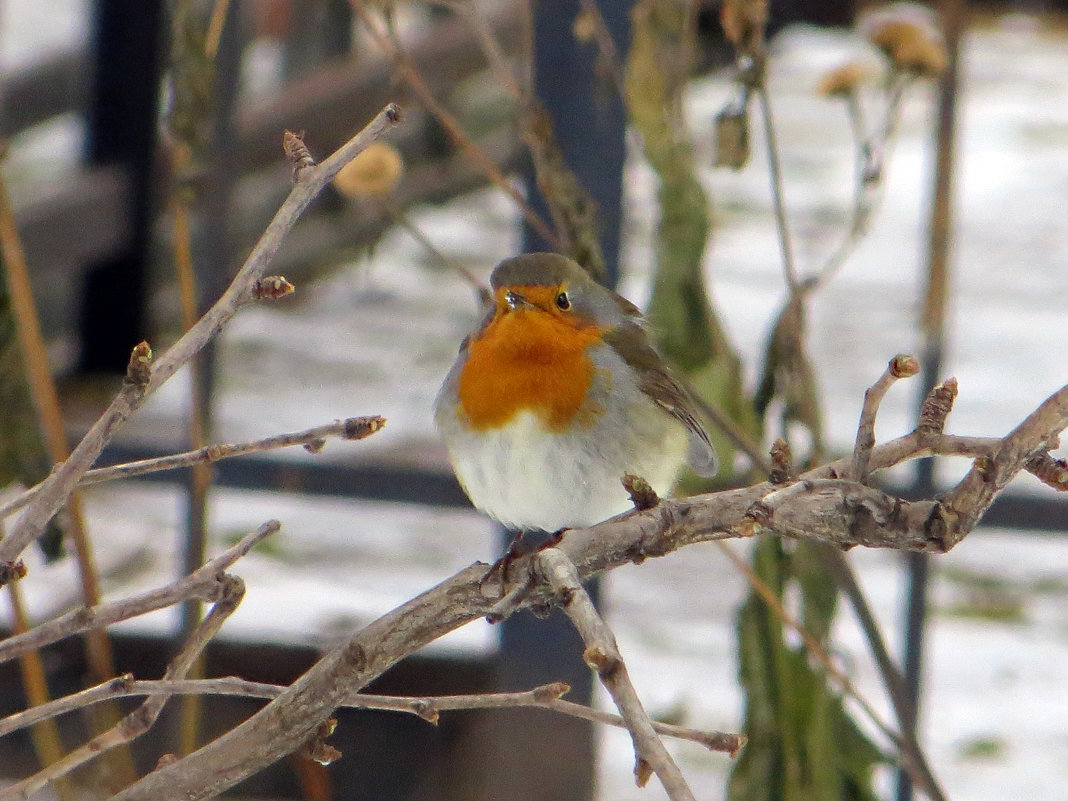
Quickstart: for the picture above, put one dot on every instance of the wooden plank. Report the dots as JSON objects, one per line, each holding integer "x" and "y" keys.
{"x": 332, "y": 103}
{"x": 36, "y": 93}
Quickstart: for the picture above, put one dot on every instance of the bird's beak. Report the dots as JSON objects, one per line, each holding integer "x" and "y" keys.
{"x": 515, "y": 300}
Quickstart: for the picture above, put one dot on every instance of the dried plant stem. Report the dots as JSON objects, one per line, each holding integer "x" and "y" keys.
{"x": 46, "y": 401}
{"x": 45, "y": 733}
{"x": 778, "y": 191}
{"x": 602, "y": 655}
{"x": 915, "y": 760}
{"x": 352, "y": 428}
{"x": 871, "y": 155}
{"x": 215, "y": 28}
{"x": 891, "y": 675}
{"x": 203, "y": 583}
{"x": 388, "y": 42}
{"x": 200, "y": 479}
{"x": 308, "y": 182}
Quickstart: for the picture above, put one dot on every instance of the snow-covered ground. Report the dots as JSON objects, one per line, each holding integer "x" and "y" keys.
{"x": 377, "y": 337}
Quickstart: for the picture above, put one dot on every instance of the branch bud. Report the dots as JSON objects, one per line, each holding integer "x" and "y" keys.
{"x": 296, "y": 151}
{"x": 936, "y": 408}
{"x": 904, "y": 366}
{"x": 271, "y": 287}
{"x": 139, "y": 368}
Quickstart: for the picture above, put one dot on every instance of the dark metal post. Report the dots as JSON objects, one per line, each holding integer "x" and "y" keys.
{"x": 952, "y": 13}
{"x": 545, "y": 758}
{"x": 588, "y": 115}
{"x": 121, "y": 124}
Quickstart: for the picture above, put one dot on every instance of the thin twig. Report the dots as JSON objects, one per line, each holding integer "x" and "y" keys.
{"x": 734, "y": 432}
{"x": 777, "y": 188}
{"x": 309, "y": 182}
{"x": 203, "y": 583}
{"x": 546, "y": 696}
{"x": 487, "y": 41}
{"x": 352, "y": 428}
{"x": 46, "y": 400}
{"x": 867, "y": 178}
{"x": 400, "y": 218}
{"x": 602, "y": 655}
{"x": 901, "y": 366}
{"x": 141, "y": 719}
{"x": 871, "y": 154}
{"x": 892, "y": 678}
{"x": 389, "y": 44}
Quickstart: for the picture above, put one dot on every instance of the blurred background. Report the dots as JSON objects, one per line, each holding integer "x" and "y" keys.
{"x": 925, "y": 204}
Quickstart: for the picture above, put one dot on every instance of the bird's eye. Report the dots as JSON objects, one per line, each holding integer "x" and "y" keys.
{"x": 563, "y": 302}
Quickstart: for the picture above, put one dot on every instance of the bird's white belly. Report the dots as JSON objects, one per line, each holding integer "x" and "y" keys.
{"x": 528, "y": 477}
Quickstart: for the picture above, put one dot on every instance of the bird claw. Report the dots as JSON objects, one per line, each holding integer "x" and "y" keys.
{"x": 515, "y": 550}
{"x": 501, "y": 567}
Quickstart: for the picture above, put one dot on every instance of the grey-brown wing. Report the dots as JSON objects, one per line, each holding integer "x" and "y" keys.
{"x": 629, "y": 341}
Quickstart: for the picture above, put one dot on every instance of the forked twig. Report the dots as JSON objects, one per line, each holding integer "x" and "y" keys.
{"x": 602, "y": 655}
{"x": 141, "y": 719}
{"x": 901, "y": 366}
{"x": 205, "y": 583}
{"x": 351, "y": 428}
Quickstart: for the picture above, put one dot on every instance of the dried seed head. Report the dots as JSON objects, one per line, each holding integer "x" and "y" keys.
{"x": 922, "y": 58}
{"x": 782, "y": 461}
{"x": 743, "y": 23}
{"x": 909, "y": 39}
{"x": 842, "y": 81}
{"x": 373, "y": 173}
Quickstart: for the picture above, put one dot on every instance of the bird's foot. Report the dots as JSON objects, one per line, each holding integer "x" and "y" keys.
{"x": 500, "y": 567}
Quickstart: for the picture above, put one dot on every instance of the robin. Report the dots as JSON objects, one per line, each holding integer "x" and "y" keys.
{"x": 556, "y": 395}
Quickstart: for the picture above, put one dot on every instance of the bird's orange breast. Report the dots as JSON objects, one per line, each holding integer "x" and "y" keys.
{"x": 527, "y": 360}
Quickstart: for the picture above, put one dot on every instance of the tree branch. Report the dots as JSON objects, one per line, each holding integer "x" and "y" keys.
{"x": 969, "y": 500}
{"x": 312, "y": 439}
{"x": 309, "y": 181}
{"x": 141, "y": 719}
{"x": 207, "y": 583}
{"x": 819, "y": 510}
{"x": 546, "y": 696}
{"x": 602, "y": 655}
